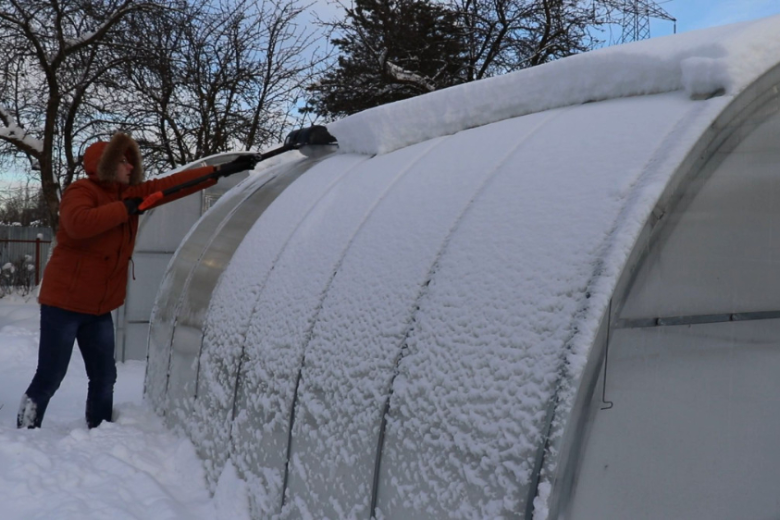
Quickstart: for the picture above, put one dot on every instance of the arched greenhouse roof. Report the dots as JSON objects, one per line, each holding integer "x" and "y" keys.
{"x": 406, "y": 328}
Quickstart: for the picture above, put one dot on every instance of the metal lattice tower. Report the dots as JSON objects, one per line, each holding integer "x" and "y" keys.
{"x": 636, "y": 19}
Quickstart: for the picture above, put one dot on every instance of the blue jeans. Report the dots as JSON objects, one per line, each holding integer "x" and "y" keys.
{"x": 95, "y": 336}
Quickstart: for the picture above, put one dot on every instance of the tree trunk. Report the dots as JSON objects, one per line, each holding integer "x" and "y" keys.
{"x": 50, "y": 193}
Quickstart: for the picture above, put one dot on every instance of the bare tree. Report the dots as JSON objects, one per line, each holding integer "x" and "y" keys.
{"x": 55, "y": 54}
{"x": 508, "y": 35}
{"x": 22, "y": 204}
{"x": 223, "y": 76}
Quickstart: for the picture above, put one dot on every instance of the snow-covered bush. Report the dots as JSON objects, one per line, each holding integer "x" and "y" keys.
{"x": 18, "y": 277}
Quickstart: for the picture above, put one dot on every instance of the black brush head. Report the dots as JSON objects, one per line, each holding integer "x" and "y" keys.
{"x": 314, "y": 135}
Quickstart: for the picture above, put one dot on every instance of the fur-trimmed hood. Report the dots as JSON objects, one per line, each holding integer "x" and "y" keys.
{"x": 101, "y": 159}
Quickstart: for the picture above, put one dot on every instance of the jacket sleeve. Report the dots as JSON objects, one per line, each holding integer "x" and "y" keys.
{"x": 81, "y": 215}
{"x": 145, "y": 189}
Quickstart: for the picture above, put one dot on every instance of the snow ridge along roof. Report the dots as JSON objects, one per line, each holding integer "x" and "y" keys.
{"x": 722, "y": 60}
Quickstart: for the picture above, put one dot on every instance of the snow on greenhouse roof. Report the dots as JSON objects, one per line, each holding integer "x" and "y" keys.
{"x": 702, "y": 63}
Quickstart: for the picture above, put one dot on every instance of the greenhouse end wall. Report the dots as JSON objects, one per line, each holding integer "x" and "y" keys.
{"x": 685, "y": 406}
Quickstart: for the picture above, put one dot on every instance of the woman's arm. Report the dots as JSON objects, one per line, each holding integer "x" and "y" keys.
{"x": 145, "y": 189}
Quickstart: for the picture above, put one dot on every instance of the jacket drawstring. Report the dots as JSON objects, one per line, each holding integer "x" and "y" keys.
{"x": 132, "y": 267}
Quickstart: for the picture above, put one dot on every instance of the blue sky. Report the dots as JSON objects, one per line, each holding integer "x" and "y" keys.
{"x": 698, "y": 14}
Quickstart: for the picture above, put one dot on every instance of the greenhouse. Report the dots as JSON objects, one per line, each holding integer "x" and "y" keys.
{"x": 551, "y": 294}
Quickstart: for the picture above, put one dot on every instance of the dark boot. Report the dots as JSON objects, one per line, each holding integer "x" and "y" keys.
{"x": 30, "y": 414}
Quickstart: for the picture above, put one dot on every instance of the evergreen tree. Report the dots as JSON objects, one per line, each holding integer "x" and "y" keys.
{"x": 390, "y": 50}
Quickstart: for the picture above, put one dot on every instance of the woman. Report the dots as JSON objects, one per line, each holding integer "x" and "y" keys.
{"x": 86, "y": 277}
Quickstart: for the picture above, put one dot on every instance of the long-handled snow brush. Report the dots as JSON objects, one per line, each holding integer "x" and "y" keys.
{"x": 312, "y": 136}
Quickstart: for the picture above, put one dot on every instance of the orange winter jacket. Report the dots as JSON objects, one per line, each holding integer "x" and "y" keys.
{"x": 87, "y": 271}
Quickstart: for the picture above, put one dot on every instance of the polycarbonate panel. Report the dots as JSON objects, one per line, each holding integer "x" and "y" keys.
{"x": 289, "y": 306}
{"x": 136, "y": 340}
{"x": 176, "y": 277}
{"x": 212, "y": 194}
{"x": 148, "y": 270}
{"x": 196, "y": 295}
{"x": 466, "y": 427}
{"x": 350, "y": 362}
{"x": 160, "y": 231}
{"x": 234, "y": 301}
{"x": 162, "y": 228}
{"x": 693, "y": 431}
{"x": 163, "y": 317}
{"x": 720, "y": 252}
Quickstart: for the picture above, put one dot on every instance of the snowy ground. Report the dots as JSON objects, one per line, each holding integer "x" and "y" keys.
{"x": 131, "y": 469}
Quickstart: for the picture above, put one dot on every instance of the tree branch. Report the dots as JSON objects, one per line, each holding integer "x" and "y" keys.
{"x": 16, "y": 135}
{"x": 404, "y": 76}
